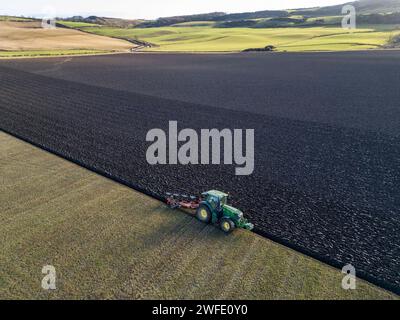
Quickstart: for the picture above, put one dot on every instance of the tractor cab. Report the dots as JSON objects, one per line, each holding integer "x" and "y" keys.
{"x": 215, "y": 199}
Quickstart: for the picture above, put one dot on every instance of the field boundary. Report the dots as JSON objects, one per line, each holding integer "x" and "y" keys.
{"x": 140, "y": 43}
{"x": 63, "y": 55}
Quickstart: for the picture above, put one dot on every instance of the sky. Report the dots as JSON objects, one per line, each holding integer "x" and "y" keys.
{"x": 147, "y": 9}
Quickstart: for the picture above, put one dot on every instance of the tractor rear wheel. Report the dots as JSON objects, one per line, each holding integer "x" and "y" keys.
{"x": 203, "y": 214}
{"x": 227, "y": 225}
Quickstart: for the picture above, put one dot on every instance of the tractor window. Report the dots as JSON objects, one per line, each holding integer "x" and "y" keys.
{"x": 213, "y": 201}
{"x": 224, "y": 200}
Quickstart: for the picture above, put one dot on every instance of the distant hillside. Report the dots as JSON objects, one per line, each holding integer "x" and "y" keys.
{"x": 378, "y": 6}
{"x": 168, "y": 21}
{"x": 368, "y": 11}
{"x": 276, "y": 18}
{"x": 377, "y": 18}
{"x": 362, "y": 7}
{"x": 253, "y": 15}
{"x": 111, "y": 22}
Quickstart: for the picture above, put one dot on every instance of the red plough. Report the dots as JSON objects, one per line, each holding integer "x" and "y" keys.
{"x": 175, "y": 201}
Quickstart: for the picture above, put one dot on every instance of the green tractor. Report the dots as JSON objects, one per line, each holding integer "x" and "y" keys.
{"x": 213, "y": 208}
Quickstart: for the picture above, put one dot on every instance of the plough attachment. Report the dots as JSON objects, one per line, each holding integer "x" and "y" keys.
{"x": 176, "y": 201}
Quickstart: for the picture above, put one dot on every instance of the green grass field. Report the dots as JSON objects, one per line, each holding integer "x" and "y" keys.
{"x": 206, "y": 38}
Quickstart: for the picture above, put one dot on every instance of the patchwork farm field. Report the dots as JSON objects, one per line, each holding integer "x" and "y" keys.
{"x": 327, "y": 148}
{"x": 21, "y": 38}
{"x": 205, "y": 38}
{"x": 107, "y": 241}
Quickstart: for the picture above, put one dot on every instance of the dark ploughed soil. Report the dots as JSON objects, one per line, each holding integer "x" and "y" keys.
{"x": 327, "y": 162}
{"x": 353, "y": 89}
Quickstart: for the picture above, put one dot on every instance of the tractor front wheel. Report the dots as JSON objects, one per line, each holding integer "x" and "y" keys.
{"x": 227, "y": 225}
{"x": 203, "y": 214}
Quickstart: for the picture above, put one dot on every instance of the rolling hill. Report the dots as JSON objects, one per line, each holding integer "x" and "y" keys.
{"x": 303, "y": 29}
{"x": 368, "y": 11}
